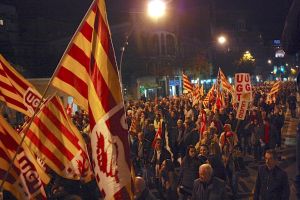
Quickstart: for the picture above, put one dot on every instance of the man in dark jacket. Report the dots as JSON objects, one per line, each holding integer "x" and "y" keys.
{"x": 272, "y": 182}
{"x": 207, "y": 187}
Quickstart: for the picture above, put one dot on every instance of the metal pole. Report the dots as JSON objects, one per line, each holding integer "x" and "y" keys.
{"x": 123, "y": 48}
{"x": 297, "y": 178}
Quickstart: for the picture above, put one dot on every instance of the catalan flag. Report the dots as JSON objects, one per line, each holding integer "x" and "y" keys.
{"x": 88, "y": 72}
{"x": 209, "y": 96}
{"x": 196, "y": 95}
{"x": 16, "y": 91}
{"x": 187, "y": 85}
{"x": 224, "y": 82}
{"x": 274, "y": 90}
{"x": 56, "y": 141}
{"x": 26, "y": 178}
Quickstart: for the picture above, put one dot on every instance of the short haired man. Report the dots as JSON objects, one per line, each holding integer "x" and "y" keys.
{"x": 272, "y": 182}
{"x": 208, "y": 187}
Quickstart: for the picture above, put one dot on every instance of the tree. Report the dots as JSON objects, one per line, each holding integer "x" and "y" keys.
{"x": 246, "y": 64}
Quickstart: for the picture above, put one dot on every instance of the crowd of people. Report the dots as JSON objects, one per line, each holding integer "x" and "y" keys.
{"x": 188, "y": 151}
{"x": 171, "y": 153}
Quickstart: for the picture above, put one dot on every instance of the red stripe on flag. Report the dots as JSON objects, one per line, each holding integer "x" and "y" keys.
{"x": 50, "y": 136}
{"x": 42, "y": 148}
{"x": 102, "y": 90}
{"x": 91, "y": 118}
{"x": 9, "y": 88}
{"x": 62, "y": 128}
{"x": 87, "y": 31}
{"x": 104, "y": 37}
{"x": 74, "y": 81}
{"x": 17, "y": 79}
{"x": 58, "y": 106}
{"x": 13, "y": 101}
{"x": 79, "y": 55}
{"x": 4, "y": 155}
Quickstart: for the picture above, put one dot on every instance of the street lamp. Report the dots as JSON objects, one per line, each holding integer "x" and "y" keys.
{"x": 222, "y": 39}
{"x": 156, "y": 9}
{"x": 269, "y": 61}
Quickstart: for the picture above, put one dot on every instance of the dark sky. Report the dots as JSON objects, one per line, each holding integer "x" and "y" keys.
{"x": 269, "y": 15}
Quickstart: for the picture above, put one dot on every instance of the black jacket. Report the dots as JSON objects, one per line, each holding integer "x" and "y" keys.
{"x": 271, "y": 184}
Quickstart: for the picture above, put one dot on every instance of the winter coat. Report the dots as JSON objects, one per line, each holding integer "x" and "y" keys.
{"x": 271, "y": 184}
{"x": 215, "y": 190}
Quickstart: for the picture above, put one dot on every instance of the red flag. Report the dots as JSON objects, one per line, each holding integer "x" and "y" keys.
{"x": 202, "y": 122}
{"x": 158, "y": 135}
{"x": 88, "y": 72}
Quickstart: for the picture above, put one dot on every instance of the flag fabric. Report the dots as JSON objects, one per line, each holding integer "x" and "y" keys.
{"x": 26, "y": 179}
{"x": 56, "y": 141}
{"x": 274, "y": 90}
{"x": 224, "y": 82}
{"x": 16, "y": 91}
{"x": 203, "y": 122}
{"x": 88, "y": 72}
{"x": 187, "y": 85}
{"x": 158, "y": 134}
{"x": 202, "y": 91}
{"x": 196, "y": 95}
{"x": 220, "y": 103}
{"x": 209, "y": 96}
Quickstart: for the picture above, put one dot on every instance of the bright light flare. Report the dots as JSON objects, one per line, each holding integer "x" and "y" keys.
{"x": 156, "y": 8}
{"x": 222, "y": 40}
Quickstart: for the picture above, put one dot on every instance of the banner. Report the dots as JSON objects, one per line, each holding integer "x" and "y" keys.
{"x": 243, "y": 93}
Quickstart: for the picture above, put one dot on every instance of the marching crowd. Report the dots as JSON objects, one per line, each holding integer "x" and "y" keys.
{"x": 172, "y": 153}
{"x": 188, "y": 151}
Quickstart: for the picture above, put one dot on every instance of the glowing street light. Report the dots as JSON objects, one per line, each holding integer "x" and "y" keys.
{"x": 269, "y": 61}
{"x": 156, "y": 8}
{"x": 222, "y": 40}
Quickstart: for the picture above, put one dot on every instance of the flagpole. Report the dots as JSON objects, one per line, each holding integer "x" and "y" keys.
{"x": 40, "y": 103}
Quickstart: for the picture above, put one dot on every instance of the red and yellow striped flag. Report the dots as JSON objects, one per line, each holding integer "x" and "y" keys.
{"x": 88, "y": 72}
{"x": 209, "y": 96}
{"x": 16, "y": 91}
{"x": 187, "y": 85}
{"x": 56, "y": 141}
{"x": 26, "y": 178}
{"x": 225, "y": 84}
{"x": 274, "y": 90}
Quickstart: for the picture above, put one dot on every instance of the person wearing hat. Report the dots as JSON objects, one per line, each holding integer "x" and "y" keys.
{"x": 228, "y": 139}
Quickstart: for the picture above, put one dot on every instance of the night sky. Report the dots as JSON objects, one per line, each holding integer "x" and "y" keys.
{"x": 268, "y": 16}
